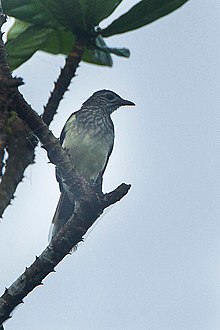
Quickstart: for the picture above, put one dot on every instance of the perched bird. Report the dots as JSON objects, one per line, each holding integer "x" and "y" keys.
{"x": 88, "y": 138}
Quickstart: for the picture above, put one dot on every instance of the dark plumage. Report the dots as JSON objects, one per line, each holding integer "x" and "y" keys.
{"x": 88, "y": 137}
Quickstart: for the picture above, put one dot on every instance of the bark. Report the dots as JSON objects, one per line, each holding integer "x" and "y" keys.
{"x": 21, "y": 147}
{"x": 14, "y": 136}
{"x": 89, "y": 206}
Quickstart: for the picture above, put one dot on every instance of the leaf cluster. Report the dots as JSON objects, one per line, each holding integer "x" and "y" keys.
{"x": 53, "y": 26}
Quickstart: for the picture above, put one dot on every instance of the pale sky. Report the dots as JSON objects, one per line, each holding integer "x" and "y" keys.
{"x": 153, "y": 261}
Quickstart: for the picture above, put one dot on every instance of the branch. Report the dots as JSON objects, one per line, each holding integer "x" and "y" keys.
{"x": 63, "y": 82}
{"x": 11, "y": 177}
{"x": 88, "y": 207}
{"x": 3, "y": 140}
{"x": 60, "y": 246}
{"x": 10, "y": 83}
{"x": 19, "y": 143}
{"x": 115, "y": 195}
{"x": 13, "y": 133}
{"x": 4, "y": 73}
{"x": 17, "y": 164}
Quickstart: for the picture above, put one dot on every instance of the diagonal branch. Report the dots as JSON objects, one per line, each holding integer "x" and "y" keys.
{"x": 13, "y": 134}
{"x": 17, "y": 163}
{"x": 88, "y": 208}
{"x": 63, "y": 82}
{"x": 88, "y": 205}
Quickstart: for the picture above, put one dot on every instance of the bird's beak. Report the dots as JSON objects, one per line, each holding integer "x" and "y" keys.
{"x": 126, "y": 102}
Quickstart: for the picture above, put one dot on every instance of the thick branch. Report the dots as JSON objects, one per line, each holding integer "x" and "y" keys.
{"x": 63, "y": 82}
{"x": 56, "y": 153}
{"x": 4, "y": 74}
{"x": 3, "y": 139}
{"x": 13, "y": 136}
{"x": 88, "y": 208}
{"x": 7, "y": 89}
{"x": 4, "y": 68}
{"x": 88, "y": 205}
{"x": 59, "y": 247}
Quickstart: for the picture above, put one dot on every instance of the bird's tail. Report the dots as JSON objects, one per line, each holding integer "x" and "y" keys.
{"x": 62, "y": 214}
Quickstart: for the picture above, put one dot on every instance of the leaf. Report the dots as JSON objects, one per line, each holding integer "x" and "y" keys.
{"x": 17, "y": 28}
{"x": 59, "y": 42}
{"x": 25, "y": 44}
{"x": 143, "y": 13}
{"x": 30, "y": 11}
{"x": 123, "y": 52}
{"x": 97, "y": 57}
{"x": 26, "y": 39}
{"x": 74, "y": 15}
{"x": 52, "y": 26}
{"x": 99, "y": 52}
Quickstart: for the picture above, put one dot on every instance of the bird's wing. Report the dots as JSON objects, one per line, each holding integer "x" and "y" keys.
{"x": 65, "y": 127}
{"x": 62, "y": 137}
{"x": 99, "y": 180}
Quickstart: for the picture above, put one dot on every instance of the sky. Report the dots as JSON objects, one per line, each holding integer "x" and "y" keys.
{"x": 153, "y": 260}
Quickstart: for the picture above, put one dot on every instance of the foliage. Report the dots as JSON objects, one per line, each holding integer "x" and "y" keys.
{"x": 53, "y": 26}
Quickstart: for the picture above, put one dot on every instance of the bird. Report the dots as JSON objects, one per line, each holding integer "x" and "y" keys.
{"x": 88, "y": 138}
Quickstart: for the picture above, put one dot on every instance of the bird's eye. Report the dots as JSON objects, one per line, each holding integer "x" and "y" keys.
{"x": 110, "y": 97}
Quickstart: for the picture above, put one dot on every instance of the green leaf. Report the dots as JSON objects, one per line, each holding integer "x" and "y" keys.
{"x": 17, "y": 28}
{"x": 100, "y": 45}
{"x": 59, "y": 42}
{"x": 25, "y": 39}
{"x": 52, "y": 26}
{"x": 99, "y": 53}
{"x": 123, "y": 52}
{"x": 30, "y": 11}
{"x": 74, "y": 15}
{"x": 25, "y": 44}
{"x": 143, "y": 13}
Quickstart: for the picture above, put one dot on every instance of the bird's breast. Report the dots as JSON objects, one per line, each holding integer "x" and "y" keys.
{"x": 88, "y": 148}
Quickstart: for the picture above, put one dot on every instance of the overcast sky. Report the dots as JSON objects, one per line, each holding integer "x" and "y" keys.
{"x": 153, "y": 261}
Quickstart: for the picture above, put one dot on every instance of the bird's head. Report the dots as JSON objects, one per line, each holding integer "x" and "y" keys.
{"x": 107, "y": 100}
